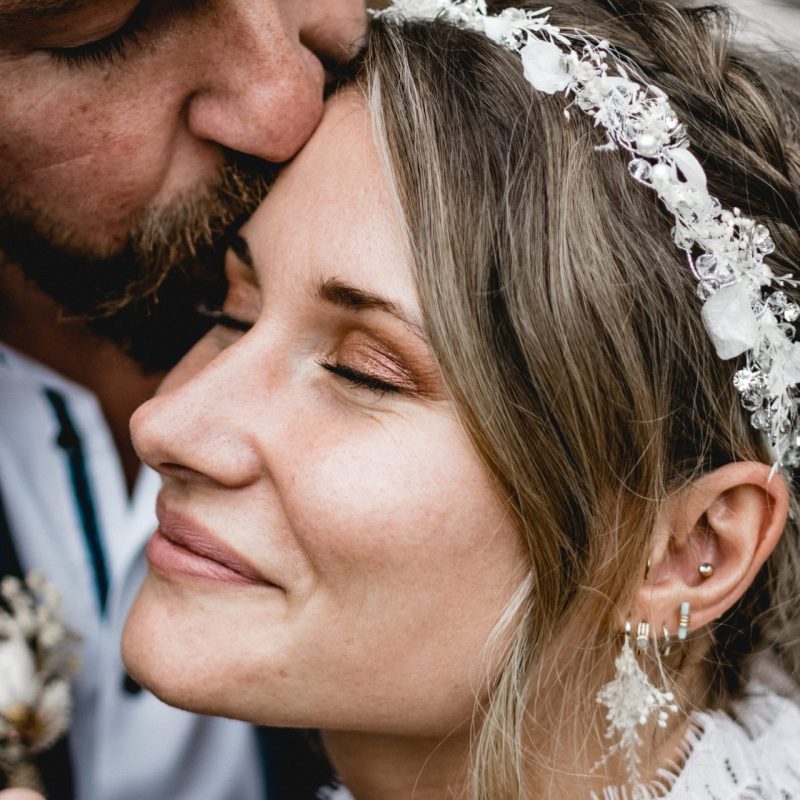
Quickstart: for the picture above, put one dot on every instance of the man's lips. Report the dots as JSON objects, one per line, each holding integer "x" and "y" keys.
{"x": 181, "y": 545}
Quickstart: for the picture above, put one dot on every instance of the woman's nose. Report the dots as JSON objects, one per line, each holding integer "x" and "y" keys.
{"x": 195, "y": 429}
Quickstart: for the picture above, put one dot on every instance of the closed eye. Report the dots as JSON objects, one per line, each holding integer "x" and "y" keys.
{"x": 219, "y": 317}
{"x": 109, "y": 48}
{"x": 361, "y": 379}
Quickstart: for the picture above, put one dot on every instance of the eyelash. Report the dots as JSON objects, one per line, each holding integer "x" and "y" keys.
{"x": 107, "y": 50}
{"x": 360, "y": 379}
{"x": 353, "y": 376}
{"x": 219, "y": 317}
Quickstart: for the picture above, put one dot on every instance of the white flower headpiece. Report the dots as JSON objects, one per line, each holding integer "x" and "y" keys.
{"x": 744, "y": 309}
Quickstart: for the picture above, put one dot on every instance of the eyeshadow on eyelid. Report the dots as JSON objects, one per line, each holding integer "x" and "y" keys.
{"x": 416, "y": 375}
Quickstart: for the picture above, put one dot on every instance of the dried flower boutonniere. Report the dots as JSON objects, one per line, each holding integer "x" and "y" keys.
{"x": 38, "y": 657}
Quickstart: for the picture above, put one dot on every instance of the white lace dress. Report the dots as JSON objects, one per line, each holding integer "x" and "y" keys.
{"x": 751, "y": 754}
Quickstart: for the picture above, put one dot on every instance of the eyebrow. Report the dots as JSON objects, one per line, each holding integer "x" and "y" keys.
{"x": 350, "y": 298}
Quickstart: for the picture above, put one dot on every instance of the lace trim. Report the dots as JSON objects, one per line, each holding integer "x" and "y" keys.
{"x": 751, "y": 754}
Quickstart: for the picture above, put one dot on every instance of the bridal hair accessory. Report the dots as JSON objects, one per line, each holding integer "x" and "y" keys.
{"x": 744, "y": 309}
{"x": 37, "y": 661}
{"x": 630, "y": 700}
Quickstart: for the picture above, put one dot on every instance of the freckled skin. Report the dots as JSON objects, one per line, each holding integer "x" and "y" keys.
{"x": 88, "y": 146}
{"x": 86, "y": 149}
{"x": 373, "y": 514}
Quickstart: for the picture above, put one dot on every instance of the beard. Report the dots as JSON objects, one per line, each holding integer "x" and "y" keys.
{"x": 146, "y": 296}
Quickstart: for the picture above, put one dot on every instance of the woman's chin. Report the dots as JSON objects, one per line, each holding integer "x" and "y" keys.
{"x": 181, "y": 647}
{"x": 158, "y": 645}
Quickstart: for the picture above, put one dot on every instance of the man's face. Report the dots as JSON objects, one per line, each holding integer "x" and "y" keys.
{"x": 121, "y": 123}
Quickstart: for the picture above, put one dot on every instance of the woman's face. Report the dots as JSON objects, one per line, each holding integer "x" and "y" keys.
{"x": 332, "y": 552}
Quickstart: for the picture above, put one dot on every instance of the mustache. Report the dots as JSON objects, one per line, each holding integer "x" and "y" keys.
{"x": 187, "y": 231}
{"x": 144, "y": 298}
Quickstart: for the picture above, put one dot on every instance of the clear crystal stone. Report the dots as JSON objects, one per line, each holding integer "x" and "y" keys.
{"x": 682, "y": 238}
{"x": 762, "y": 240}
{"x": 706, "y": 289}
{"x": 752, "y": 401}
{"x": 743, "y": 379}
{"x": 641, "y": 170}
{"x": 707, "y": 265}
{"x": 761, "y": 420}
{"x": 751, "y": 382}
{"x": 791, "y": 458}
{"x": 792, "y": 312}
{"x": 777, "y": 302}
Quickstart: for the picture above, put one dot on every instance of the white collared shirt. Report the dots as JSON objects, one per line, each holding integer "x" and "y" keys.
{"x": 76, "y": 523}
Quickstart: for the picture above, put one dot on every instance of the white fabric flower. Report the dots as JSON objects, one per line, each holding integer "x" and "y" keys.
{"x": 730, "y": 321}
{"x": 19, "y": 686}
{"x": 690, "y": 167}
{"x": 416, "y": 9}
{"x": 499, "y": 27}
{"x": 544, "y": 67}
{"x": 52, "y": 714}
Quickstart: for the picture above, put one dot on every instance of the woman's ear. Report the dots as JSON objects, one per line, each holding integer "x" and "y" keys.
{"x": 728, "y": 522}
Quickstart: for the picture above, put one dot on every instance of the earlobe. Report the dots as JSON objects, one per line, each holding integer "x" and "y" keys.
{"x": 711, "y": 539}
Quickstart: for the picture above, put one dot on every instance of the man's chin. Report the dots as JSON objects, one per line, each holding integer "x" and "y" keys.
{"x": 144, "y": 297}
{"x": 154, "y": 323}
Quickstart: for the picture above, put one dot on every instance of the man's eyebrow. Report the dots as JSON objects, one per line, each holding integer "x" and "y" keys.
{"x": 350, "y": 298}
{"x": 241, "y": 249}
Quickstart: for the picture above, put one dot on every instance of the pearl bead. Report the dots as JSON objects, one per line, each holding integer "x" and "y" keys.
{"x": 646, "y": 145}
{"x": 661, "y": 173}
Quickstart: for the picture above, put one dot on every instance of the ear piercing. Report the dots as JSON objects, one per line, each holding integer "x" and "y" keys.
{"x": 706, "y": 570}
{"x": 683, "y": 620}
{"x": 643, "y": 636}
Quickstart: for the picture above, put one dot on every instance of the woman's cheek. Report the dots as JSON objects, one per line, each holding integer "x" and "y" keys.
{"x": 389, "y": 492}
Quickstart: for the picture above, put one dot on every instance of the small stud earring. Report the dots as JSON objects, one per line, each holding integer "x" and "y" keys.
{"x": 683, "y": 620}
{"x": 706, "y": 569}
{"x": 642, "y": 636}
{"x": 647, "y": 569}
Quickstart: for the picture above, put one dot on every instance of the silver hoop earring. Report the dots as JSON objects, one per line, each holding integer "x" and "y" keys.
{"x": 683, "y": 620}
{"x": 642, "y": 636}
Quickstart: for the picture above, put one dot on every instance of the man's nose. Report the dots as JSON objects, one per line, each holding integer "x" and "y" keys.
{"x": 260, "y": 89}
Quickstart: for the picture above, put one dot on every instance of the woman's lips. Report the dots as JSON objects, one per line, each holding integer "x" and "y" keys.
{"x": 181, "y": 546}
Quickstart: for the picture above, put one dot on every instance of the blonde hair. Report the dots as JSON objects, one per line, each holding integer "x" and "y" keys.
{"x": 566, "y": 324}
